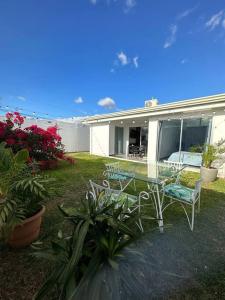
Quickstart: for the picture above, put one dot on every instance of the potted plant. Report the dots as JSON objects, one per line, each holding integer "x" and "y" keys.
{"x": 22, "y": 196}
{"x": 212, "y": 153}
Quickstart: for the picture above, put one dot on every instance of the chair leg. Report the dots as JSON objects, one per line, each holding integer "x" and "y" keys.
{"x": 199, "y": 204}
{"x": 121, "y": 187}
{"x": 192, "y": 217}
{"x": 139, "y": 212}
{"x": 135, "y": 185}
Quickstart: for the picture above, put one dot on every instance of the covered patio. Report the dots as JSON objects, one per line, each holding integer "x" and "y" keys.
{"x": 130, "y": 139}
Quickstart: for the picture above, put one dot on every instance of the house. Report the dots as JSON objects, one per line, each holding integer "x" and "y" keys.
{"x": 174, "y": 131}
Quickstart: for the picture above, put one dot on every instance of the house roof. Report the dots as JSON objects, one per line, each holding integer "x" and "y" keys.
{"x": 203, "y": 103}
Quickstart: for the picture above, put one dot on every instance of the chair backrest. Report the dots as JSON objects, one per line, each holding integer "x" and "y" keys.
{"x": 97, "y": 189}
{"x": 197, "y": 190}
{"x": 112, "y": 167}
{"x": 174, "y": 164}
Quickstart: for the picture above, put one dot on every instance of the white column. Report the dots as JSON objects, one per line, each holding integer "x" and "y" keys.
{"x": 152, "y": 140}
{"x": 152, "y": 147}
{"x": 126, "y": 140}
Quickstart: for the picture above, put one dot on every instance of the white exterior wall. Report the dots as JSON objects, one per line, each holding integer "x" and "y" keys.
{"x": 218, "y": 133}
{"x": 152, "y": 140}
{"x": 100, "y": 139}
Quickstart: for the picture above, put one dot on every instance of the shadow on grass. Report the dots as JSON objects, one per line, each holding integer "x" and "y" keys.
{"x": 177, "y": 264}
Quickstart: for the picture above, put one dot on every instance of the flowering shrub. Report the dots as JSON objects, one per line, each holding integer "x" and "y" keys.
{"x": 43, "y": 145}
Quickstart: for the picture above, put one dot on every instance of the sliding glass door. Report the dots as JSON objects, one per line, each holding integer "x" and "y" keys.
{"x": 169, "y": 138}
{"x": 183, "y": 140}
{"x": 138, "y": 136}
{"x": 118, "y": 140}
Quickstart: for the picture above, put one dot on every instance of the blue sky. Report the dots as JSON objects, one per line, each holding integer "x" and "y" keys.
{"x": 78, "y": 57}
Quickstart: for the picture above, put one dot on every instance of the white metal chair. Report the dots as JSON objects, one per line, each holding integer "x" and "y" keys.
{"x": 185, "y": 197}
{"x": 114, "y": 172}
{"x": 133, "y": 202}
{"x": 97, "y": 189}
{"x": 174, "y": 166}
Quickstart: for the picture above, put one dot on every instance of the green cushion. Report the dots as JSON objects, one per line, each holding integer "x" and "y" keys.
{"x": 117, "y": 176}
{"x": 179, "y": 192}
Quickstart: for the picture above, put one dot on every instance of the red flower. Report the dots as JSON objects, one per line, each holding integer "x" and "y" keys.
{"x": 9, "y": 116}
{"x": 10, "y": 141}
{"x": 18, "y": 120}
{"x": 20, "y": 134}
{"x": 9, "y": 123}
{"x": 52, "y": 130}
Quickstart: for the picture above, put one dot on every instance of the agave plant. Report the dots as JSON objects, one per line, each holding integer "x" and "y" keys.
{"x": 21, "y": 192}
{"x": 99, "y": 234}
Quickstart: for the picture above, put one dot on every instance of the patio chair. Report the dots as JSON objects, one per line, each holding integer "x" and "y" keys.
{"x": 114, "y": 172}
{"x": 141, "y": 151}
{"x": 133, "y": 202}
{"x": 185, "y": 197}
{"x": 176, "y": 166}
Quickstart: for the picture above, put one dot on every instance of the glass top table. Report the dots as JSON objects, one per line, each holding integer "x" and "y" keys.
{"x": 154, "y": 173}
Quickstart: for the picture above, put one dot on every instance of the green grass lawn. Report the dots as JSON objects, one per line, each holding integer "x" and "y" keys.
{"x": 179, "y": 264}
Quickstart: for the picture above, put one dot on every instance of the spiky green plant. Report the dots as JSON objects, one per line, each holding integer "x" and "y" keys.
{"x": 100, "y": 231}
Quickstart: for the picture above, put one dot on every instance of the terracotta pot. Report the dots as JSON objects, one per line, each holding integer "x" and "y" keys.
{"x": 48, "y": 164}
{"x": 28, "y": 231}
{"x": 43, "y": 164}
{"x": 52, "y": 164}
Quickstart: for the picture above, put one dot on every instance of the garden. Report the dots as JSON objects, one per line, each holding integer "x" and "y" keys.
{"x": 87, "y": 250}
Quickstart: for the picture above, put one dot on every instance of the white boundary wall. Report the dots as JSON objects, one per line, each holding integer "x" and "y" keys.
{"x": 75, "y": 136}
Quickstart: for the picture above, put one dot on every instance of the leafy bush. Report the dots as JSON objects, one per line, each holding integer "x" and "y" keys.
{"x": 197, "y": 148}
{"x": 21, "y": 192}
{"x": 212, "y": 153}
{"x": 209, "y": 156}
{"x": 100, "y": 230}
{"x": 42, "y": 145}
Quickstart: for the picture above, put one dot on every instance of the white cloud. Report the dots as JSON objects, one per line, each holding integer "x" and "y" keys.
{"x": 130, "y": 3}
{"x": 107, "y": 102}
{"x": 172, "y": 37}
{"x": 78, "y": 100}
{"x": 93, "y": 2}
{"x": 186, "y": 13}
{"x": 135, "y": 61}
{"x": 123, "y": 58}
{"x": 22, "y": 98}
{"x": 214, "y": 21}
